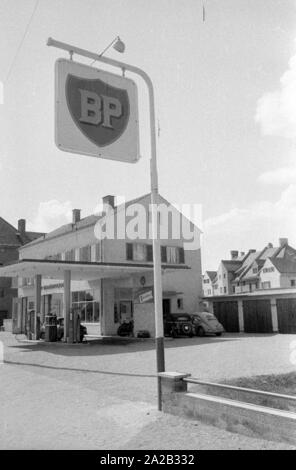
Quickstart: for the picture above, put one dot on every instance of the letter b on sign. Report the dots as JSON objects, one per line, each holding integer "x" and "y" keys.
{"x": 95, "y": 109}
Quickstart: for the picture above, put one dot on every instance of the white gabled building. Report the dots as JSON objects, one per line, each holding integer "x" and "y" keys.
{"x": 104, "y": 280}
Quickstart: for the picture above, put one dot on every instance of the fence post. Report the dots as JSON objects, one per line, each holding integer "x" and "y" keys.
{"x": 241, "y": 316}
{"x": 171, "y": 383}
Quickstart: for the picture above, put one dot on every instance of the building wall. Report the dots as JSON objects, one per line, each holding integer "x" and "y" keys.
{"x": 285, "y": 279}
{"x": 208, "y": 289}
{"x": 7, "y": 290}
{"x": 224, "y": 281}
{"x": 273, "y": 277}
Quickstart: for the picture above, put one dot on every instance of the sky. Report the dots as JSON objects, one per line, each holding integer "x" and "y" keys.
{"x": 225, "y": 99}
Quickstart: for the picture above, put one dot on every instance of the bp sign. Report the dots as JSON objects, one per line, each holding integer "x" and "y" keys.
{"x": 96, "y": 112}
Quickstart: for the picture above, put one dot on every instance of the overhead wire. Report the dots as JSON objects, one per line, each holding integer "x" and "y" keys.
{"x": 22, "y": 41}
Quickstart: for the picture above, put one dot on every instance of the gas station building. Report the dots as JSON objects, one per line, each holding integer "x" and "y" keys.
{"x": 107, "y": 281}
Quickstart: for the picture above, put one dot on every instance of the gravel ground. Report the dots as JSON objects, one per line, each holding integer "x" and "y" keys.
{"x": 103, "y": 396}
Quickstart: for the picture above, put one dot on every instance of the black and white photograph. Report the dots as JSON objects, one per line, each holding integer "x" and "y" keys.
{"x": 147, "y": 229}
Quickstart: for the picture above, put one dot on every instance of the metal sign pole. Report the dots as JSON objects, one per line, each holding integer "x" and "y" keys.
{"x": 159, "y": 339}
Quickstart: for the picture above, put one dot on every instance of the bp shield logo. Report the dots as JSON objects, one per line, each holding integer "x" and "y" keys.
{"x": 101, "y": 111}
{"x": 96, "y": 112}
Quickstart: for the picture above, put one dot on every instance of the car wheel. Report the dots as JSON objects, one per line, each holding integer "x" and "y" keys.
{"x": 200, "y": 331}
{"x": 218, "y": 334}
{"x": 187, "y": 330}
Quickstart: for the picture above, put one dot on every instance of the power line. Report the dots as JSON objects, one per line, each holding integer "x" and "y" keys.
{"x": 22, "y": 41}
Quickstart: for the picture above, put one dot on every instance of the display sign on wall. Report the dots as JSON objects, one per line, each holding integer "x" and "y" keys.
{"x": 96, "y": 112}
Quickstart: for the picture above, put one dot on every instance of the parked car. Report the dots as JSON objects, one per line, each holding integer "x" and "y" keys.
{"x": 176, "y": 324}
{"x": 60, "y": 330}
{"x": 206, "y": 323}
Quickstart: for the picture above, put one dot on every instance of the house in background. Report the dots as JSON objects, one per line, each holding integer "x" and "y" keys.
{"x": 11, "y": 239}
{"x": 248, "y": 272}
{"x": 252, "y": 276}
{"x": 278, "y": 273}
{"x": 257, "y": 291}
{"x": 209, "y": 280}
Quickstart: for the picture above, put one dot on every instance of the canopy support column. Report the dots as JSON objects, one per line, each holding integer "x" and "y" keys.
{"x": 67, "y": 304}
{"x": 37, "y": 304}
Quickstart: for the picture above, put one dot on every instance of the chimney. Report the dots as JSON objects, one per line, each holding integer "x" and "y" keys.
{"x": 234, "y": 254}
{"x": 283, "y": 241}
{"x": 21, "y": 226}
{"x": 75, "y": 215}
{"x": 270, "y": 245}
{"x": 108, "y": 201}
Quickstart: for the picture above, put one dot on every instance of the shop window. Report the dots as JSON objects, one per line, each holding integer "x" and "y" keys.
{"x": 85, "y": 253}
{"x": 181, "y": 255}
{"x": 149, "y": 253}
{"x": 129, "y": 251}
{"x": 163, "y": 254}
{"x": 116, "y": 313}
{"x": 174, "y": 255}
{"x": 70, "y": 255}
{"x": 98, "y": 252}
{"x": 293, "y": 282}
{"x": 180, "y": 303}
{"x": 86, "y": 307}
{"x": 139, "y": 252}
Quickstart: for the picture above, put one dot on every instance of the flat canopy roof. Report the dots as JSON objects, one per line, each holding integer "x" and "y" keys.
{"x": 53, "y": 269}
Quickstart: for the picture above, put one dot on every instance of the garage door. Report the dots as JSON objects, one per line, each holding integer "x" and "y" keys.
{"x": 227, "y": 314}
{"x": 257, "y": 316}
{"x": 3, "y": 315}
{"x": 286, "y": 309}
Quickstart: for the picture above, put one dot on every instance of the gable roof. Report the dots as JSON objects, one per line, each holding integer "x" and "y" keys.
{"x": 92, "y": 219}
{"x": 212, "y": 275}
{"x": 10, "y": 236}
{"x": 231, "y": 265}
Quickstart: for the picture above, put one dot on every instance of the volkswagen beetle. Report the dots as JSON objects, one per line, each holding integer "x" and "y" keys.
{"x": 206, "y": 323}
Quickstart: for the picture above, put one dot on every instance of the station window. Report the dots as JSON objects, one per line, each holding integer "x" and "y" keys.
{"x": 85, "y": 253}
{"x": 70, "y": 255}
{"x": 84, "y": 304}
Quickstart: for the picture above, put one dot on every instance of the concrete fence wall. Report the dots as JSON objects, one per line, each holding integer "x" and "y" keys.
{"x": 236, "y": 414}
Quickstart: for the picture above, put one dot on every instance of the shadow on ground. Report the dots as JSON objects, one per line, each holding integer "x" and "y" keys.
{"x": 110, "y": 346}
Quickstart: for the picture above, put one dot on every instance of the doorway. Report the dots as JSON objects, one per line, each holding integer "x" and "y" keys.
{"x": 166, "y": 307}
{"x": 126, "y": 310}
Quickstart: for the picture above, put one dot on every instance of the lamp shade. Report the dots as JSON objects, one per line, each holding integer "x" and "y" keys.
{"x": 119, "y": 46}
